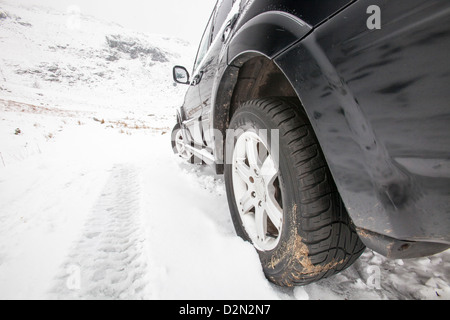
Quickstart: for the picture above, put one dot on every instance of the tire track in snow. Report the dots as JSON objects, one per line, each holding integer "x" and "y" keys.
{"x": 109, "y": 261}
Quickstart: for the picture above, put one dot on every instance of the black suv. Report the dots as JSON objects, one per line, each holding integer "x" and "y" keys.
{"x": 330, "y": 121}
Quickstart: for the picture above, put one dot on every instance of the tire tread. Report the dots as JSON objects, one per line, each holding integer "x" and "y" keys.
{"x": 325, "y": 225}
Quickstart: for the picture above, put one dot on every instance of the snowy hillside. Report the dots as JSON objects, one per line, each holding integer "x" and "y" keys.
{"x": 76, "y": 65}
{"x": 94, "y": 205}
{"x": 67, "y": 56}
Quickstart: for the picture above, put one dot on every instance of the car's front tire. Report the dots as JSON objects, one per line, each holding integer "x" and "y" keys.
{"x": 282, "y": 196}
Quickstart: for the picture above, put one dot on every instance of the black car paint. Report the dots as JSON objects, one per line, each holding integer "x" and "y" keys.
{"x": 377, "y": 99}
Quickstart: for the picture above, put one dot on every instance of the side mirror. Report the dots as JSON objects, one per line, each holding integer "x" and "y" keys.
{"x": 181, "y": 75}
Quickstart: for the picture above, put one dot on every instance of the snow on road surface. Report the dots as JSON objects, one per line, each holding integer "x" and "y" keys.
{"x": 136, "y": 221}
{"x": 94, "y": 205}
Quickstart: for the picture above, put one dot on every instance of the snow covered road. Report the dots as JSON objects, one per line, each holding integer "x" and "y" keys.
{"x": 123, "y": 213}
{"x": 110, "y": 257}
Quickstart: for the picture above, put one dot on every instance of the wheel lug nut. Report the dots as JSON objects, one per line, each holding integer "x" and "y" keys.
{"x": 254, "y": 194}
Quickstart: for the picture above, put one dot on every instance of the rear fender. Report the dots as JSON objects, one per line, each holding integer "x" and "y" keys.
{"x": 268, "y": 34}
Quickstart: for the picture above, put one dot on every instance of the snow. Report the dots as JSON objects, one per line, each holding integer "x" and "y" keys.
{"x": 94, "y": 205}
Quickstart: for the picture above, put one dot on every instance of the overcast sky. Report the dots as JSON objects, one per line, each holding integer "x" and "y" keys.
{"x": 185, "y": 19}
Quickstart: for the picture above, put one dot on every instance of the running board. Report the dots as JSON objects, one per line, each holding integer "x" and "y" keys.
{"x": 202, "y": 154}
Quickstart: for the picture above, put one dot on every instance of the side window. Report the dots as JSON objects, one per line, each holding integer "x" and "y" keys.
{"x": 204, "y": 44}
{"x": 223, "y": 10}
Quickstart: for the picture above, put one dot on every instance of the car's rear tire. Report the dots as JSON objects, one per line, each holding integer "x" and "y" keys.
{"x": 295, "y": 218}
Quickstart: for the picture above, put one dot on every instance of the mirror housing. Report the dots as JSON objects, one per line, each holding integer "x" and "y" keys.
{"x": 181, "y": 75}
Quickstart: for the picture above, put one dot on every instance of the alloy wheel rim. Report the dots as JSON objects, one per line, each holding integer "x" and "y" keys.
{"x": 257, "y": 191}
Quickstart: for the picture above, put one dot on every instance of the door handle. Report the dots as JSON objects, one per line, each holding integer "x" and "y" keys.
{"x": 230, "y": 25}
{"x": 197, "y": 78}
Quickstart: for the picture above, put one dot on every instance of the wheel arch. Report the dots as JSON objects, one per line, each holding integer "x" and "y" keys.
{"x": 252, "y": 75}
{"x": 260, "y": 38}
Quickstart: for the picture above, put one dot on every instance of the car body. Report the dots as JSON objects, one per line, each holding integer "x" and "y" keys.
{"x": 377, "y": 99}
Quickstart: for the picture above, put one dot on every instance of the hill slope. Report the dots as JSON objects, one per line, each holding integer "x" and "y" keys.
{"x": 64, "y": 58}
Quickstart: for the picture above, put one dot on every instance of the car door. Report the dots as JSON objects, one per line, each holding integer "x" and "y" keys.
{"x": 192, "y": 102}
{"x": 209, "y": 66}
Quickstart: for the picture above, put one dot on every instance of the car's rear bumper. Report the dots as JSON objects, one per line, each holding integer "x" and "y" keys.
{"x": 399, "y": 249}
